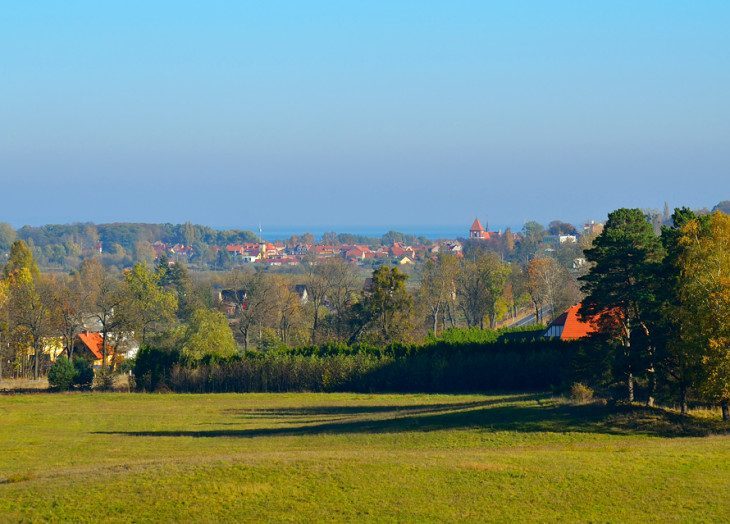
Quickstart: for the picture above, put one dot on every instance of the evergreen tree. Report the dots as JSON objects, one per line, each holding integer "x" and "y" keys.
{"x": 679, "y": 361}
{"x": 621, "y": 289}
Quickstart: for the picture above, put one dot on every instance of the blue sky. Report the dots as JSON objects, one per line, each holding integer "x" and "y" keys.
{"x": 360, "y": 112}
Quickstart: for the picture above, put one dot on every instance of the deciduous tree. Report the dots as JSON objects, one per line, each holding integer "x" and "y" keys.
{"x": 4, "y": 298}
{"x": 705, "y": 301}
{"x": 259, "y": 304}
{"x": 550, "y": 286}
{"x": 341, "y": 292}
{"x": 28, "y": 313}
{"x": 327, "y": 281}
{"x": 286, "y": 309}
{"x": 208, "y": 334}
{"x": 7, "y": 237}
{"x": 437, "y": 291}
{"x": 479, "y": 286}
{"x": 107, "y": 301}
{"x": 67, "y": 299}
{"x": 148, "y": 306}
{"x": 558, "y": 227}
{"x": 21, "y": 257}
{"x": 533, "y": 235}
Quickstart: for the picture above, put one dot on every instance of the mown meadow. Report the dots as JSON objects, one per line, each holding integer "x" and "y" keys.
{"x": 316, "y": 456}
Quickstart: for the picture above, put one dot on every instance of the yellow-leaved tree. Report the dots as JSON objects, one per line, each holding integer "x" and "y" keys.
{"x": 208, "y": 335}
{"x": 704, "y": 294}
{"x": 4, "y": 294}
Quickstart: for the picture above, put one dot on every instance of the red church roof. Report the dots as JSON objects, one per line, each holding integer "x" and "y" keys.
{"x": 476, "y": 226}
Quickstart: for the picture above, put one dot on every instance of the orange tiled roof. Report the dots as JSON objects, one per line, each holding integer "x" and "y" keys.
{"x": 573, "y": 327}
{"x": 93, "y": 341}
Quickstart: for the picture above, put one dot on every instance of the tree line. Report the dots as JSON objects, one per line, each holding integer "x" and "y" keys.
{"x": 661, "y": 303}
{"x": 142, "y": 305}
{"x": 64, "y": 247}
{"x": 167, "y": 306}
{"x": 664, "y": 303}
{"x": 122, "y": 244}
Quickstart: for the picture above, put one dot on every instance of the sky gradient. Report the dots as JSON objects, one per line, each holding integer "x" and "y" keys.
{"x": 362, "y": 112}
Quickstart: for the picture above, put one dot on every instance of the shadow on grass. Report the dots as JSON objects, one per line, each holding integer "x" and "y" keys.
{"x": 352, "y": 411}
{"x": 506, "y": 414}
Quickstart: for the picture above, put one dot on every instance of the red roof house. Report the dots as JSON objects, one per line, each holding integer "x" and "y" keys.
{"x": 90, "y": 345}
{"x": 325, "y": 250}
{"x": 570, "y": 326}
{"x": 357, "y": 253}
{"x": 94, "y": 342}
{"x": 399, "y": 250}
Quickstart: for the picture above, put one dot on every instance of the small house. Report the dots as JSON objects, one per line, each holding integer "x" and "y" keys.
{"x": 90, "y": 346}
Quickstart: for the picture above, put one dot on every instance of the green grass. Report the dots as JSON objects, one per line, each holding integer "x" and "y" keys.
{"x": 304, "y": 457}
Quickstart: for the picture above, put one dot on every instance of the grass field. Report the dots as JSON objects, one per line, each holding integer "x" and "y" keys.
{"x": 303, "y": 457}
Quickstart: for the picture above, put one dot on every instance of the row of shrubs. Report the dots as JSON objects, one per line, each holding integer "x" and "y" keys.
{"x": 438, "y": 366}
{"x": 462, "y": 361}
{"x": 456, "y": 338}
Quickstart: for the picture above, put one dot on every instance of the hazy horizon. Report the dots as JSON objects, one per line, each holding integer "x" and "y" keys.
{"x": 377, "y": 113}
{"x": 432, "y": 232}
{"x": 384, "y": 227}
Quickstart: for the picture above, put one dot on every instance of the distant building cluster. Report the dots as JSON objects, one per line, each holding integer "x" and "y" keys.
{"x": 281, "y": 254}
{"x": 292, "y": 254}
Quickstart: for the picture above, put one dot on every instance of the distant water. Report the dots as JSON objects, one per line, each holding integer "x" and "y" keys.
{"x": 429, "y": 232}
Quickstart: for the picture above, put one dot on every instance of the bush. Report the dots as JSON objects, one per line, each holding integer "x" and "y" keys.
{"x": 152, "y": 367}
{"x": 62, "y": 374}
{"x": 104, "y": 379}
{"x": 581, "y": 393}
{"x": 84, "y": 373}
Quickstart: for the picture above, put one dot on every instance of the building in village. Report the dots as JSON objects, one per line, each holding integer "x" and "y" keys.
{"x": 571, "y": 326}
{"x": 479, "y": 232}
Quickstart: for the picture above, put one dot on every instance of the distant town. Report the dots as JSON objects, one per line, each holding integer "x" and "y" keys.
{"x": 203, "y": 248}
{"x": 105, "y": 291}
{"x": 293, "y": 251}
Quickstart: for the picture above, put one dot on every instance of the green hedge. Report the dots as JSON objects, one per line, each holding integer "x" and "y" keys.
{"x": 437, "y": 367}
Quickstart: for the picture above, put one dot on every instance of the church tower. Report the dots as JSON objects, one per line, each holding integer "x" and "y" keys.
{"x": 477, "y": 231}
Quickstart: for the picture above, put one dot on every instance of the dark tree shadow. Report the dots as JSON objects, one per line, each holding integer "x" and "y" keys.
{"x": 490, "y": 415}
{"x": 343, "y": 410}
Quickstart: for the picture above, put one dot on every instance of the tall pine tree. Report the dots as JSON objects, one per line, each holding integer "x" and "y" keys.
{"x": 621, "y": 289}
